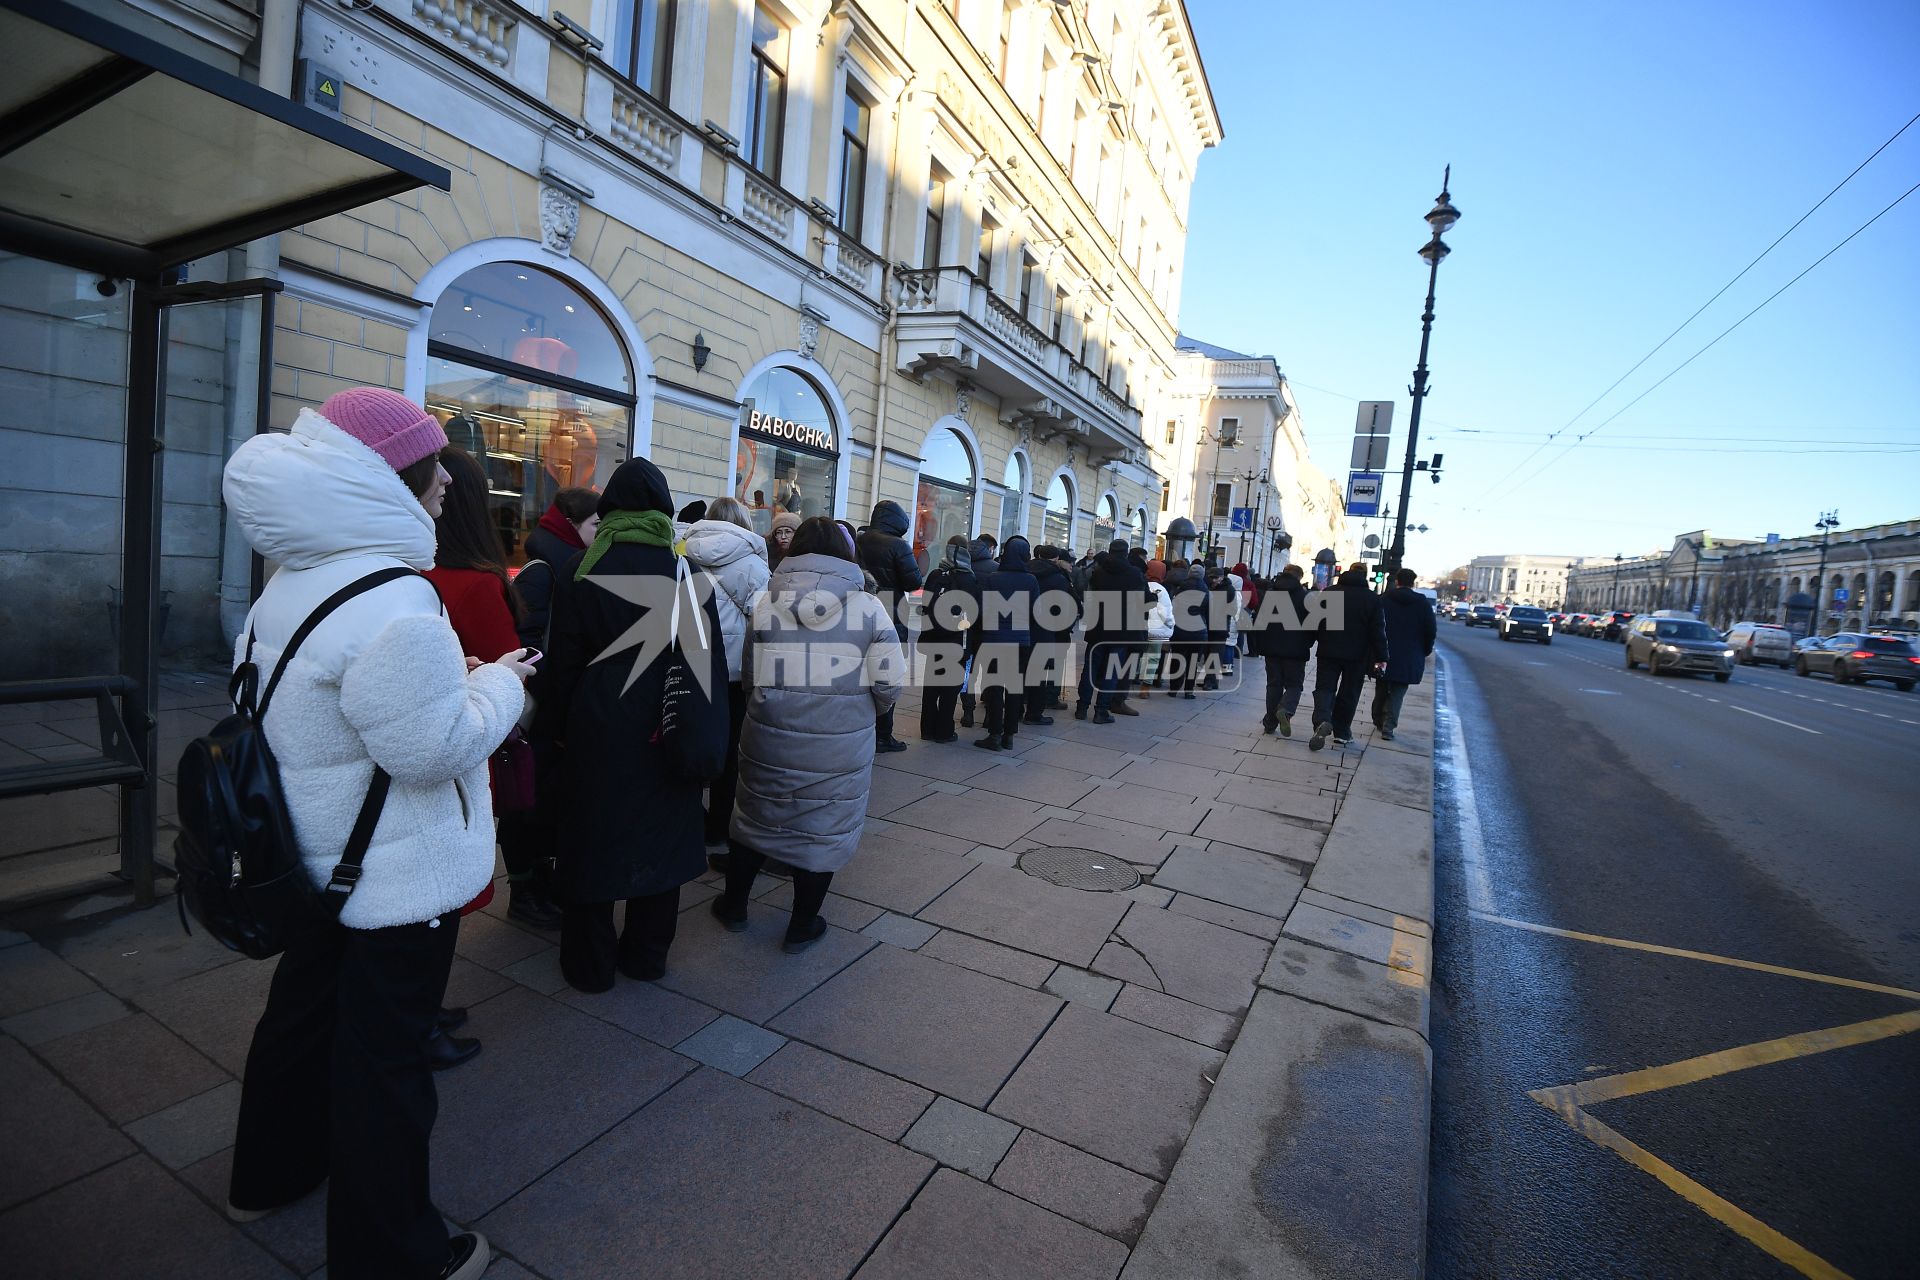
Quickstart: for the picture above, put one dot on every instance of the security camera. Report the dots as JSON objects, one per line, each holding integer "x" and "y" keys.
{"x": 106, "y": 286}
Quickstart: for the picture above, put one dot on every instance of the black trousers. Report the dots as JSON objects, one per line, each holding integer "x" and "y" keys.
{"x": 941, "y": 690}
{"x": 1387, "y": 697}
{"x": 809, "y": 887}
{"x": 1005, "y": 678}
{"x": 1286, "y": 677}
{"x": 1336, "y": 693}
{"x": 1187, "y": 658}
{"x": 526, "y": 838}
{"x": 590, "y": 954}
{"x": 721, "y": 790}
{"x": 338, "y": 1085}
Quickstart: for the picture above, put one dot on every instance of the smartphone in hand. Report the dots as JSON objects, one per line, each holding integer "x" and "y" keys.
{"x": 531, "y": 657}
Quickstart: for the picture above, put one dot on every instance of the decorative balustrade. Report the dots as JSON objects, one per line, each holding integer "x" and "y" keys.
{"x": 1013, "y": 329}
{"x": 919, "y": 290}
{"x": 854, "y": 265}
{"x": 646, "y": 130}
{"x": 480, "y": 25}
{"x": 765, "y": 207}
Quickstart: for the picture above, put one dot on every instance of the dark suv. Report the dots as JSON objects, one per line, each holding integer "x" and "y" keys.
{"x": 1524, "y": 622}
{"x": 1851, "y": 658}
{"x": 1484, "y": 615}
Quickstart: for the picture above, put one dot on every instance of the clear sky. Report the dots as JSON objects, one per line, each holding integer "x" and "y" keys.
{"x": 1614, "y": 166}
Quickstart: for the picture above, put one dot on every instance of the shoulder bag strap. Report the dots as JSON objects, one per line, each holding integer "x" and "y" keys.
{"x": 314, "y": 619}
{"x": 347, "y": 874}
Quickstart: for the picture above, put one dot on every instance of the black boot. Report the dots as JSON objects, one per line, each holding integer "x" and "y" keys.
{"x": 967, "y": 702}
{"x": 527, "y": 905}
{"x": 451, "y": 1019}
{"x": 444, "y": 1051}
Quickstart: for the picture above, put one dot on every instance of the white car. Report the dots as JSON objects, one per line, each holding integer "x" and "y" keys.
{"x": 1756, "y": 642}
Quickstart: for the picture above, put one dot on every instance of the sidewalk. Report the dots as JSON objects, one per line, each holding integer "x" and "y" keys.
{"x": 977, "y": 1073}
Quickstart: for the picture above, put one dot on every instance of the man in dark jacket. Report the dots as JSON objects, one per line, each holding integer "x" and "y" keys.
{"x": 1281, "y": 639}
{"x": 981, "y": 550}
{"x": 1006, "y": 643}
{"x": 1052, "y": 632}
{"x": 952, "y": 605}
{"x": 1347, "y": 652}
{"x": 1117, "y": 603}
{"x": 1410, "y": 634}
{"x": 885, "y": 553}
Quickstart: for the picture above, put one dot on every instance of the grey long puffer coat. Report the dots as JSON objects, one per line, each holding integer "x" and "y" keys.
{"x": 821, "y": 661}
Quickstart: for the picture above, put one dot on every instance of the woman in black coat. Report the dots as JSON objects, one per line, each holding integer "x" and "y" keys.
{"x": 1280, "y": 638}
{"x": 636, "y": 747}
{"x": 951, "y": 604}
{"x": 1187, "y": 586}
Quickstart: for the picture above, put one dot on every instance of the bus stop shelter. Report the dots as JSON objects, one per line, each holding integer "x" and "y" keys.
{"x": 125, "y": 157}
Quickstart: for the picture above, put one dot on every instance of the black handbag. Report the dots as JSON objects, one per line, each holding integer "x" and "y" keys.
{"x": 236, "y": 859}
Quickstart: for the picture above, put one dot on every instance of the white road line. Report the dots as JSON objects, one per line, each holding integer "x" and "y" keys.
{"x": 1472, "y": 848}
{"x": 1790, "y": 724}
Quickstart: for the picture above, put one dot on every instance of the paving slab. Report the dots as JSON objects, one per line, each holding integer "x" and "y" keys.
{"x": 295, "y": 1233}
{"x": 861, "y": 1096}
{"x": 159, "y": 1231}
{"x": 1282, "y": 798}
{"x": 730, "y": 1045}
{"x": 1282, "y": 765}
{"x": 986, "y": 818}
{"x": 1382, "y": 855}
{"x": 131, "y": 1067}
{"x": 1395, "y": 777}
{"x": 550, "y": 1080}
{"x": 192, "y": 1129}
{"x": 894, "y": 789}
{"x": 665, "y": 1192}
{"x": 32, "y": 977}
{"x": 1123, "y": 1091}
{"x": 1362, "y": 938}
{"x": 1171, "y": 775}
{"x": 1360, "y": 911}
{"x": 901, "y": 931}
{"x": 1194, "y": 960}
{"x": 492, "y": 943}
{"x": 948, "y": 1029}
{"x": 128, "y": 951}
{"x": 1091, "y": 989}
{"x": 1078, "y": 757}
{"x": 1154, "y": 1008}
{"x": 1310, "y": 1159}
{"x": 48, "y": 1134}
{"x": 468, "y": 983}
{"x": 76, "y": 1013}
{"x": 1011, "y": 907}
{"x": 1146, "y": 805}
{"x": 1264, "y": 832}
{"x": 538, "y": 972}
{"x": 215, "y": 1012}
{"x": 1073, "y": 1184}
{"x": 953, "y": 761}
{"x": 960, "y": 1229}
{"x": 1345, "y": 981}
{"x": 989, "y": 957}
{"x": 1197, "y": 753}
{"x": 1234, "y": 876}
{"x": 895, "y": 872}
{"x": 646, "y": 1009}
{"x": 842, "y": 912}
{"x": 961, "y": 1137}
{"x": 1030, "y": 780}
{"x": 1141, "y": 845}
{"x": 747, "y": 974}
{"x": 1234, "y": 918}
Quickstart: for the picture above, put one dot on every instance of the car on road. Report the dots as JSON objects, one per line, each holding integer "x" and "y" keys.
{"x": 1461, "y": 611}
{"x": 1612, "y": 626}
{"x": 1523, "y": 622}
{"x": 1484, "y": 615}
{"x": 1851, "y": 658}
{"x": 1756, "y": 642}
{"x": 1678, "y": 644}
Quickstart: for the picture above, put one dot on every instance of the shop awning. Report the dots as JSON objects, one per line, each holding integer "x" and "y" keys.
{"x": 122, "y": 155}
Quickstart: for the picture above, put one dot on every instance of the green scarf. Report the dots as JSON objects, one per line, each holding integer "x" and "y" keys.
{"x": 651, "y": 528}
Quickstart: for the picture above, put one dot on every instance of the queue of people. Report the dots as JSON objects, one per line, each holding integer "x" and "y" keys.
{"x": 731, "y": 688}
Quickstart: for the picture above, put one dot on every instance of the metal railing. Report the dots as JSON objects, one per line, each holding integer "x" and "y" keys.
{"x": 118, "y": 763}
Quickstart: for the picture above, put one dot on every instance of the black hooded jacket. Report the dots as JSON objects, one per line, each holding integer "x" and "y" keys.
{"x": 627, "y": 749}
{"x": 1362, "y": 635}
{"x": 1052, "y": 576}
{"x": 1118, "y": 601}
{"x": 884, "y": 552}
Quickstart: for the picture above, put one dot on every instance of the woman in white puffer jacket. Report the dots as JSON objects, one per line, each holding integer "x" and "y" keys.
{"x": 735, "y": 558}
{"x": 337, "y": 1081}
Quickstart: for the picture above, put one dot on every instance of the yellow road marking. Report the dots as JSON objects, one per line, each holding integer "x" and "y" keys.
{"x": 1730, "y": 1215}
{"x": 1708, "y": 957}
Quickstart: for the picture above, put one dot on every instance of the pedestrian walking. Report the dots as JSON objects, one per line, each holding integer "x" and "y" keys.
{"x": 822, "y": 661}
{"x": 724, "y": 546}
{"x": 1281, "y": 640}
{"x": 338, "y": 1087}
{"x": 1411, "y": 631}
{"x": 951, "y": 606}
{"x": 1005, "y": 650}
{"x": 1056, "y": 610}
{"x": 1347, "y": 652}
{"x": 884, "y": 552}
{"x": 637, "y": 745}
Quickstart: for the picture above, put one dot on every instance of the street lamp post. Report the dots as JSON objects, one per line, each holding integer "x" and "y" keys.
{"x": 1441, "y": 219}
{"x": 1616, "y": 581}
{"x": 1826, "y": 524}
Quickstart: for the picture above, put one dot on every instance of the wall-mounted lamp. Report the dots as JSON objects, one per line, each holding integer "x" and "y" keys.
{"x": 575, "y": 32}
{"x": 814, "y": 313}
{"x": 700, "y": 352}
{"x": 720, "y": 137}
{"x": 822, "y": 210}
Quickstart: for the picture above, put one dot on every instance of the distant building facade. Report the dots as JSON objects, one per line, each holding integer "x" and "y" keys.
{"x": 1520, "y": 579}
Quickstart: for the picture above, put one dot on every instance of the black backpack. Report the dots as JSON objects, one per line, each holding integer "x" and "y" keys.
{"x": 236, "y": 857}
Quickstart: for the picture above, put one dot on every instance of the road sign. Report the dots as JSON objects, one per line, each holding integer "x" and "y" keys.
{"x": 1371, "y": 541}
{"x": 1240, "y": 520}
{"x": 1363, "y": 493}
{"x": 1839, "y": 595}
{"x": 1369, "y": 453}
{"x": 1276, "y": 523}
{"x": 1375, "y": 418}
{"x": 1370, "y": 555}
{"x": 1772, "y": 538}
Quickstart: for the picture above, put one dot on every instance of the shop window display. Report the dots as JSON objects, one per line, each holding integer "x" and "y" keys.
{"x": 788, "y": 458}
{"x": 943, "y": 502}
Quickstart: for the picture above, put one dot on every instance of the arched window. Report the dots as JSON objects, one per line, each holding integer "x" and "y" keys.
{"x": 1057, "y": 526}
{"x": 1106, "y": 519}
{"x": 1139, "y": 533}
{"x": 529, "y": 377}
{"x": 789, "y": 453}
{"x": 943, "y": 503}
{"x": 1013, "y": 499}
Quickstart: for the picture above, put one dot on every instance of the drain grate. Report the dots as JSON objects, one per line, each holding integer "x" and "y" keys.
{"x": 1080, "y": 869}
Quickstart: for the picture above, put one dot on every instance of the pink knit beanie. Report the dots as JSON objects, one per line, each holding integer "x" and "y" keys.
{"x": 388, "y": 423}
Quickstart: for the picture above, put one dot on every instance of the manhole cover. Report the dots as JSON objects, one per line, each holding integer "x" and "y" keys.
{"x": 1080, "y": 869}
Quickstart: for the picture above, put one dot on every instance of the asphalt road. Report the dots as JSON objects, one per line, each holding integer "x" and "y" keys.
{"x": 1773, "y": 821}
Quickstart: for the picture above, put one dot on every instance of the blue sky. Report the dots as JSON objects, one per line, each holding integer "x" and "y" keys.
{"x": 1615, "y": 165}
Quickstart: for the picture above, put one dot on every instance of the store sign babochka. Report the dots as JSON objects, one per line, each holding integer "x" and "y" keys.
{"x": 765, "y": 424}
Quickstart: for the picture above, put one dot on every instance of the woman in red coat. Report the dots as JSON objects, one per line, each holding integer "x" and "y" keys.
{"x": 470, "y": 573}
